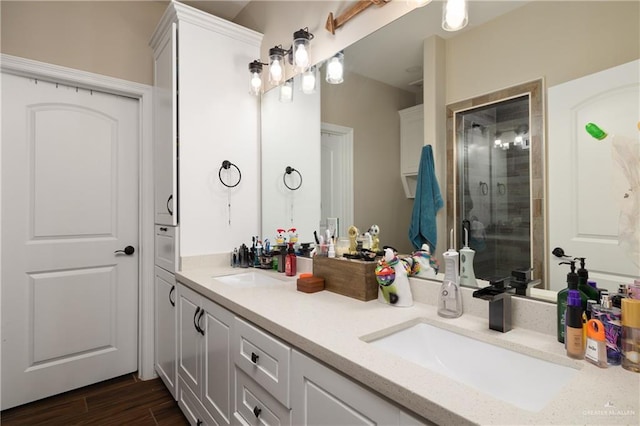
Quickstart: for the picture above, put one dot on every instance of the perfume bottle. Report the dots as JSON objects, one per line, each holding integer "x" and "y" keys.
{"x": 610, "y": 317}
{"x": 631, "y": 335}
{"x": 449, "y": 300}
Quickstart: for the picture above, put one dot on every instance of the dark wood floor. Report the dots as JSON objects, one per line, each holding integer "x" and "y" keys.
{"x": 125, "y": 400}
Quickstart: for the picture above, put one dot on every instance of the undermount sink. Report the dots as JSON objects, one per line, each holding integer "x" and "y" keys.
{"x": 522, "y": 380}
{"x": 249, "y": 279}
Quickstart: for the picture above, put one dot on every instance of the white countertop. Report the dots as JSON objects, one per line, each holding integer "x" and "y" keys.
{"x": 330, "y": 328}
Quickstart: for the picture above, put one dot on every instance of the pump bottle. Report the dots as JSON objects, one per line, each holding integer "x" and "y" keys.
{"x": 583, "y": 281}
{"x": 572, "y": 284}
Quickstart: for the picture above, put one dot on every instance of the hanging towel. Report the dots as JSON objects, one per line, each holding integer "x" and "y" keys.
{"x": 426, "y": 204}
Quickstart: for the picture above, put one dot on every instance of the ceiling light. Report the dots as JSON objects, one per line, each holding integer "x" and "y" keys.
{"x": 454, "y": 15}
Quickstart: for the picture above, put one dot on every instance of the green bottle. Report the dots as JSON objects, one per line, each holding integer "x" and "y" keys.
{"x": 572, "y": 284}
{"x": 583, "y": 282}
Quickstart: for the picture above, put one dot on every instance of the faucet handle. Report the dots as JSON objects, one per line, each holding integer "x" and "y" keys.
{"x": 500, "y": 283}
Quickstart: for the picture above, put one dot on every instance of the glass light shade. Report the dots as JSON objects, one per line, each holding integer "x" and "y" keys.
{"x": 335, "y": 69}
{"x": 518, "y": 140}
{"x": 301, "y": 50}
{"x": 497, "y": 142}
{"x": 255, "y": 70}
{"x": 309, "y": 81}
{"x": 455, "y": 15}
{"x": 276, "y": 65}
{"x": 286, "y": 91}
{"x": 505, "y": 145}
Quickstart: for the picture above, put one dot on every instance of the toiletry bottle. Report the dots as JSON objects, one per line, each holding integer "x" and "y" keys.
{"x": 596, "y": 348}
{"x": 610, "y": 318}
{"x": 451, "y": 263}
{"x": 583, "y": 278}
{"x": 572, "y": 284}
{"x": 631, "y": 335}
{"x": 332, "y": 249}
{"x": 623, "y": 292}
{"x": 573, "y": 333}
{"x": 467, "y": 275}
{"x": 290, "y": 262}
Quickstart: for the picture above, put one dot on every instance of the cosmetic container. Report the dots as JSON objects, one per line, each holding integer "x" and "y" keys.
{"x": 631, "y": 335}
{"x": 610, "y": 318}
{"x": 596, "y": 347}
{"x": 573, "y": 333}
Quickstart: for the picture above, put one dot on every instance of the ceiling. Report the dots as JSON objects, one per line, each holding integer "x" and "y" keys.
{"x": 393, "y": 54}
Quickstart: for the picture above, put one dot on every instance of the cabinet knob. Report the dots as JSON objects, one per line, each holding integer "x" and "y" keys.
{"x": 254, "y": 357}
{"x": 257, "y": 411}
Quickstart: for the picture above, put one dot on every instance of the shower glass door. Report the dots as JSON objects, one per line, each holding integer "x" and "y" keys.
{"x": 493, "y": 185}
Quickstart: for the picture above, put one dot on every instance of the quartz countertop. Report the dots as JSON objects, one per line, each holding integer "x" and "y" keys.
{"x": 331, "y": 327}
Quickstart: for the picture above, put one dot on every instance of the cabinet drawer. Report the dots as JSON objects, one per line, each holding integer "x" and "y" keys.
{"x": 165, "y": 247}
{"x": 191, "y": 406}
{"x": 255, "y": 406}
{"x": 264, "y": 358}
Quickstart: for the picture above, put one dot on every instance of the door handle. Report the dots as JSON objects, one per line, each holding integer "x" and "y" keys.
{"x": 128, "y": 250}
{"x": 169, "y": 208}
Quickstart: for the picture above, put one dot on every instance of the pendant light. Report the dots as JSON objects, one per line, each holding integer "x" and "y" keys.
{"x": 276, "y": 65}
{"x": 309, "y": 81}
{"x": 286, "y": 91}
{"x": 301, "y": 49}
{"x": 255, "y": 69}
{"x": 335, "y": 69}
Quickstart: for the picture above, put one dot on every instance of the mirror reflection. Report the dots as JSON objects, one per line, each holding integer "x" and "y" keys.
{"x": 500, "y": 48}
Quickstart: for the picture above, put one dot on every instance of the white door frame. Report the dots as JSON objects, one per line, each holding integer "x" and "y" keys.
{"x": 346, "y": 133}
{"x": 143, "y": 93}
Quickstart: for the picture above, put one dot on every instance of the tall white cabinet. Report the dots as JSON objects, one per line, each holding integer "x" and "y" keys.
{"x": 203, "y": 115}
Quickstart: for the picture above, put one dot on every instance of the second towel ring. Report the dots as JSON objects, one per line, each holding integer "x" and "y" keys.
{"x": 484, "y": 188}
{"x": 226, "y": 164}
{"x": 288, "y": 171}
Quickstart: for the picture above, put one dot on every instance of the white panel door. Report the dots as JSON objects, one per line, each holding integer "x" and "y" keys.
{"x": 584, "y": 201}
{"x": 69, "y": 201}
{"x": 336, "y": 186}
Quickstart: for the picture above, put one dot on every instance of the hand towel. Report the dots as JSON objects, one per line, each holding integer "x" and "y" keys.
{"x": 426, "y": 204}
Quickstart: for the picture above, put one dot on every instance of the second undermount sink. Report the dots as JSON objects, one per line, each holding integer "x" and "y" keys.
{"x": 525, "y": 381}
{"x": 249, "y": 279}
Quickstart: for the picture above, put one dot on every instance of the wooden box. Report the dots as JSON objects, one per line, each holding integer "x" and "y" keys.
{"x": 310, "y": 284}
{"x": 352, "y": 278}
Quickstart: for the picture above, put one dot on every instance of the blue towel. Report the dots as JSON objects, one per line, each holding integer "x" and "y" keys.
{"x": 426, "y": 204}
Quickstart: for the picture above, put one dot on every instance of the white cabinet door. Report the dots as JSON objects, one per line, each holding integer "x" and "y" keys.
{"x": 166, "y": 328}
{"x": 189, "y": 338}
{"x": 320, "y": 396}
{"x": 216, "y": 359}
{"x": 165, "y": 129}
{"x": 204, "y": 353}
{"x": 411, "y": 138}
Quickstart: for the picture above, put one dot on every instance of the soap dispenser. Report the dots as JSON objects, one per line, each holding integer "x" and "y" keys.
{"x": 572, "y": 284}
{"x": 583, "y": 281}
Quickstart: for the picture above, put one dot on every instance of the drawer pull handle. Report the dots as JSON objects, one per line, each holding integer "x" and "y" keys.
{"x": 200, "y": 329}
{"x": 199, "y": 422}
{"x": 173, "y": 288}
{"x": 257, "y": 411}
{"x": 163, "y": 229}
{"x": 254, "y": 357}
{"x": 169, "y": 208}
{"x": 195, "y": 324}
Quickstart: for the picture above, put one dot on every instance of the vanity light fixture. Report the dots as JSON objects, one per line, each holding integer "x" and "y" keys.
{"x": 286, "y": 91}
{"x": 276, "y": 65}
{"x": 255, "y": 69}
{"x": 309, "y": 81}
{"x": 520, "y": 131}
{"x": 455, "y": 15}
{"x": 335, "y": 69}
{"x": 298, "y": 55}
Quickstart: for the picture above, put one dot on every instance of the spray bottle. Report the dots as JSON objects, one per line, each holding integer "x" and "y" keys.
{"x": 467, "y": 275}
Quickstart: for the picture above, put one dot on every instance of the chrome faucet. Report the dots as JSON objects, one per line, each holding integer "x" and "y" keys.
{"x": 499, "y": 296}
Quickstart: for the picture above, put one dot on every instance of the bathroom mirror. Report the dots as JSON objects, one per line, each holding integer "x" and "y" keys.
{"x": 530, "y": 40}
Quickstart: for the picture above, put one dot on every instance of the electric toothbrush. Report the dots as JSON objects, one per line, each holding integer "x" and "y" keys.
{"x": 467, "y": 275}
{"x": 451, "y": 262}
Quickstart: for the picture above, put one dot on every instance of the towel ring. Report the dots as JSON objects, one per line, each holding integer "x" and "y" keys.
{"x": 288, "y": 171}
{"x": 226, "y": 164}
{"x": 484, "y": 188}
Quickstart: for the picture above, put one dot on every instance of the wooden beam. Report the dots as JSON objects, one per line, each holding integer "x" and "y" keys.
{"x": 334, "y": 23}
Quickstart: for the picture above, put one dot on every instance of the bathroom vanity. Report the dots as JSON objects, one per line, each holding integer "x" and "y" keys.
{"x": 291, "y": 353}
